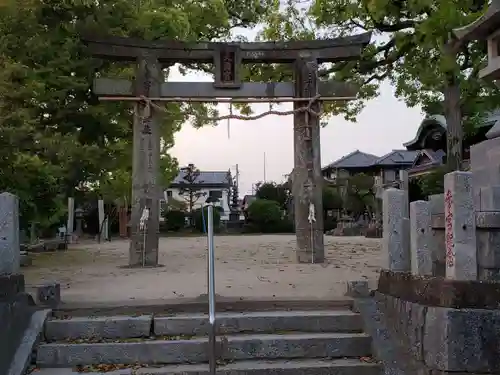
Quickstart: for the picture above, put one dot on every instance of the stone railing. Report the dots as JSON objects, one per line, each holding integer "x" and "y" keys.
{"x": 454, "y": 235}
{"x": 438, "y": 297}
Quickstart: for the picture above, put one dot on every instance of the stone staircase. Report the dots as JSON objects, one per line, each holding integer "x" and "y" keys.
{"x": 256, "y": 342}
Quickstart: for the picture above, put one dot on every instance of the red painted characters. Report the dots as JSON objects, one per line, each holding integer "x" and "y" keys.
{"x": 449, "y": 245}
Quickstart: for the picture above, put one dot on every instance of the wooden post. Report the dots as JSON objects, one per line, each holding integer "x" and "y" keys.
{"x": 307, "y": 184}
{"x": 145, "y": 168}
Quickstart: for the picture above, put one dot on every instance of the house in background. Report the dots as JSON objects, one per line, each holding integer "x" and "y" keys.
{"x": 215, "y": 187}
{"x": 386, "y": 166}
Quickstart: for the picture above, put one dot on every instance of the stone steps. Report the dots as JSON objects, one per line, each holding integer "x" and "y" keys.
{"x": 344, "y": 366}
{"x": 238, "y": 347}
{"x": 256, "y": 342}
{"x": 118, "y": 327}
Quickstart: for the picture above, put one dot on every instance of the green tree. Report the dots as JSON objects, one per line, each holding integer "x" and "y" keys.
{"x": 331, "y": 199}
{"x": 433, "y": 183}
{"x": 265, "y": 215}
{"x": 359, "y": 198}
{"x": 272, "y": 191}
{"x": 48, "y": 110}
{"x": 411, "y": 48}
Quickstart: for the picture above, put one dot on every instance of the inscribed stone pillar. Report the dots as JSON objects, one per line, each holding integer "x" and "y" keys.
{"x": 307, "y": 182}
{"x": 460, "y": 226}
{"x": 10, "y": 255}
{"x": 396, "y": 241}
{"x": 421, "y": 238}
{"x": 71, "y": 219}
{"x": 145, "y": 168}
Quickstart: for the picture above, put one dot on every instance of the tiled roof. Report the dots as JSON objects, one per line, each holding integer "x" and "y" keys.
{"x": 359, "y": 159}
{"x": 398, "y": 157}
{"x": 206, "y": 178}
{"x": 355, "y": 159}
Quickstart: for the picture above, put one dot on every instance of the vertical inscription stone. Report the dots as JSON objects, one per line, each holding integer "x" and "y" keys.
{"x": 460, "y": 227}
{"x": 10, "y": 253}
{"x": 395, "y": 243}
{"x": 146, "y": 158}
{"x": 421, "y": 238}
{"x": 307, "y": 180}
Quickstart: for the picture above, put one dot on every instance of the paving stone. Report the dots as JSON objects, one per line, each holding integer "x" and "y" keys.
{"x": 103, "y": 327}
{"x": 260, "y": 322}
{"x": 310, "y": 345}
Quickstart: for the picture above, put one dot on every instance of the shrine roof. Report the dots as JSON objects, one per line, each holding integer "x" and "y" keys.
{"x": 484, "y": 26}
{"x": 439, "y": 122}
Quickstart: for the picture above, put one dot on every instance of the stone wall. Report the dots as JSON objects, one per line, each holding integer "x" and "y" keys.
{"x": 434, "y": 326}
{"x": 438, "y": 300}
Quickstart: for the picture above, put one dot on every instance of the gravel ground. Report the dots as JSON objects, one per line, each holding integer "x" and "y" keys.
{"x": 247, "y": 266}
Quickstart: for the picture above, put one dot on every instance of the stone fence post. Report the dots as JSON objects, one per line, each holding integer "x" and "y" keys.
{"x": 421, "y": 240}
{"x": 396, "y": 228}
{"x": 460, "y": 227}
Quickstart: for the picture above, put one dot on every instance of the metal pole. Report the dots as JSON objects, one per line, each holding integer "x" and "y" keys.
{"x": 211, "y": 292}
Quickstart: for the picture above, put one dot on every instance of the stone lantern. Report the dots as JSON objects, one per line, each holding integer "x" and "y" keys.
{"x": 486, "y": 27}
{"x": 79, "y": 213}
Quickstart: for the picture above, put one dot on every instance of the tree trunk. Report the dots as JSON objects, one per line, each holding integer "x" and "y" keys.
{"x": 453, "y": 114}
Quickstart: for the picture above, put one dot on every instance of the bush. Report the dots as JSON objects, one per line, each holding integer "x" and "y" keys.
{"x": 175, "y": 220}
{"x": 198, "y": 219}
{"x": 265, "y": 215}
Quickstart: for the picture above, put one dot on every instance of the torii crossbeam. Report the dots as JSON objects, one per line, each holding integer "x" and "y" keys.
{"x": 227, "y": 59}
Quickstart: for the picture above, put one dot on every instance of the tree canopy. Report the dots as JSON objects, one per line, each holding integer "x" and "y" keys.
{"x": 55, "y": 136}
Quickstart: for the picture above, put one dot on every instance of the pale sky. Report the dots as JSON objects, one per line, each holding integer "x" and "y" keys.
{"x": 384, "y": 125}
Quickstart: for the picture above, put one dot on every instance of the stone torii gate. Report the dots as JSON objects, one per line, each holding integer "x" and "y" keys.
{"x": 150, "y": 87}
